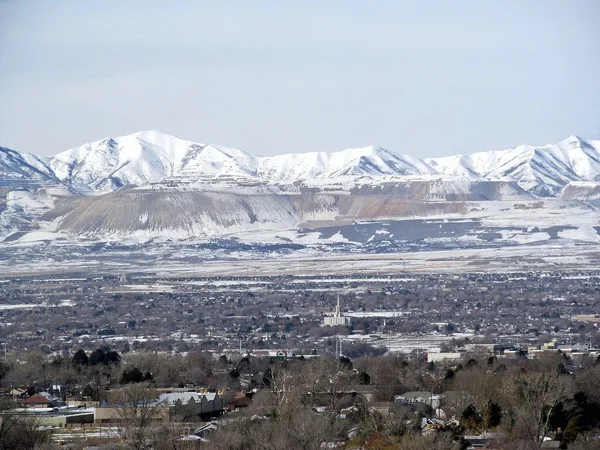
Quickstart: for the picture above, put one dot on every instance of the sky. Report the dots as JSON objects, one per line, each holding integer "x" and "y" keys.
{"x": 429, "y": 79}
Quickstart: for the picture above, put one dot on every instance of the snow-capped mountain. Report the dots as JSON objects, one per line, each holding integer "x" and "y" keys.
{"x": 368, "y": 161}
{"x": 151, "y": 157}
{"x": 144, "y": 158}
{"x": 541, "y": 170}
{"x": 23, "y": 169}
{"x": 150, "y": 185}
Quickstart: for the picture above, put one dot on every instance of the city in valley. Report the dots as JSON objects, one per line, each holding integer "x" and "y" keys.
{"x": 363, "y": 226}
{"x": 201, "y": 351}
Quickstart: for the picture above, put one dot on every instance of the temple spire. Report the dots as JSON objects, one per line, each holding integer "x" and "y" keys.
{"x": 337, "y": 319}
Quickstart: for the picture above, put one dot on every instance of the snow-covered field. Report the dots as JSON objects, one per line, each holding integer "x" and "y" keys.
{"x": 500, "y": 235}
{"x": 193, "y": 262}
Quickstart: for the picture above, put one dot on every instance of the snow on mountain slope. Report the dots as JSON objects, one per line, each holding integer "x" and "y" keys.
{"x": 22, "y": 211}
{"x": 21, "y": 169}
{"x": 581, "y": 190}
{"x": 541, "y": 170}
{"x": 159, "y": 186}
{"x": 367, "y": 161}
{"x": 457, "y": 165}
{"x": 144, "y": 158}
{"x": 150, "y": 157}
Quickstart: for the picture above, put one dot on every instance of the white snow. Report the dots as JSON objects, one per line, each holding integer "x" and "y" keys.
{"x": 149, "y": 157}
{"x": 553, "y": 165}
{"x": 525, "y": 238}
{"x": 582, "y": 233}
{"x": 29, "y": 201}
{"x": 273, "y": 205}
{"x": 370, "y": 161}
{"x": 24, "y": 165}
{"x": 144, "y": 158}
{"x": 22, "y": 210}
{"x": 37, "y": 236}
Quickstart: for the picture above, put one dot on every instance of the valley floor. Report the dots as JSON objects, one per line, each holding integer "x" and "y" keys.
{"x": 215, "y": 260}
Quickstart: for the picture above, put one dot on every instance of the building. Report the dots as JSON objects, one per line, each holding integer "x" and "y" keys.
{"x": 37, "y": 401}
{"x": 187, "y": 405}
{"x": 240, "y": 400}
{"x": 443, "y": 356}
{"x": 429, "y": 398}
{"x": 590, "y": 318}
{"x": 337, "y": 318}
{"x": 43, "y": 400}
{"x": 206, "y": 430}
{"x": 55, "y": 417}
{"x": 116, "y": 412}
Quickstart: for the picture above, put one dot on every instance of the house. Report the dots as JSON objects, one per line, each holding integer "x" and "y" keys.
{"x": 476, "y": 442}
{"x": 428, "y": 398}
{"x": 429, "y": 425}
{"x": 240, "y": 400}
{"x": 346, "y": 401}
{"x": 37, "y": 401}
{"x": 407, "y": 409}
{"x": 17, "y": 392}
{"x": 43, "y": 400}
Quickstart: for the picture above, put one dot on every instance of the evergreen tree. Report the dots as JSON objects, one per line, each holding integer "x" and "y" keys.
{"x": 133, "y": 375}
{"x": 80, "y": 358}
{"x": 97, "y": 357}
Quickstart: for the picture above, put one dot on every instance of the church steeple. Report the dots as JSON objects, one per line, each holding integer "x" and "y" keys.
{"x": 336, "y": 319}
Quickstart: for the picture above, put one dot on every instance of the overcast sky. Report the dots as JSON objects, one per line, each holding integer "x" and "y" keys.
{"x": 427, "y": 78}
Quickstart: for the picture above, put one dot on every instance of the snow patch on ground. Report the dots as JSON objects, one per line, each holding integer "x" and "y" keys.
{"x": 38, "y": 236}
{"x": 525, "y": 238}
{"x": 22, "y": 211}
{"x": 582, "y": 233}
{"x": 338, "y": 237}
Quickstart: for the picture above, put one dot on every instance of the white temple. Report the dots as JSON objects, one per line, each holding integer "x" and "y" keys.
{"x": 337, "y": 318}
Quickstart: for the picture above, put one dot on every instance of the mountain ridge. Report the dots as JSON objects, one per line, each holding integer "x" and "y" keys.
{"x": 150, "y": 157}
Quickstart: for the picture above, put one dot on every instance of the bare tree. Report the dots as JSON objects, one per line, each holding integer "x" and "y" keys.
{"x": 325, "y": 381}
{"x": 18, "y": 432}
{"x": 140, "y": 416}
{"x": 320, "y": 382}
{"x": 302, "y": 430}
{"x": 481, "y": 389}
{"x": 531, "y": 398}
{"x": 587, "y": 382}
{"x": 585, "y": 441}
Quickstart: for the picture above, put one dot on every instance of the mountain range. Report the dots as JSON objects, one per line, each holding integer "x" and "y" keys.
{"x": 152, "y": 186}
{"x": 151, "y": 157}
